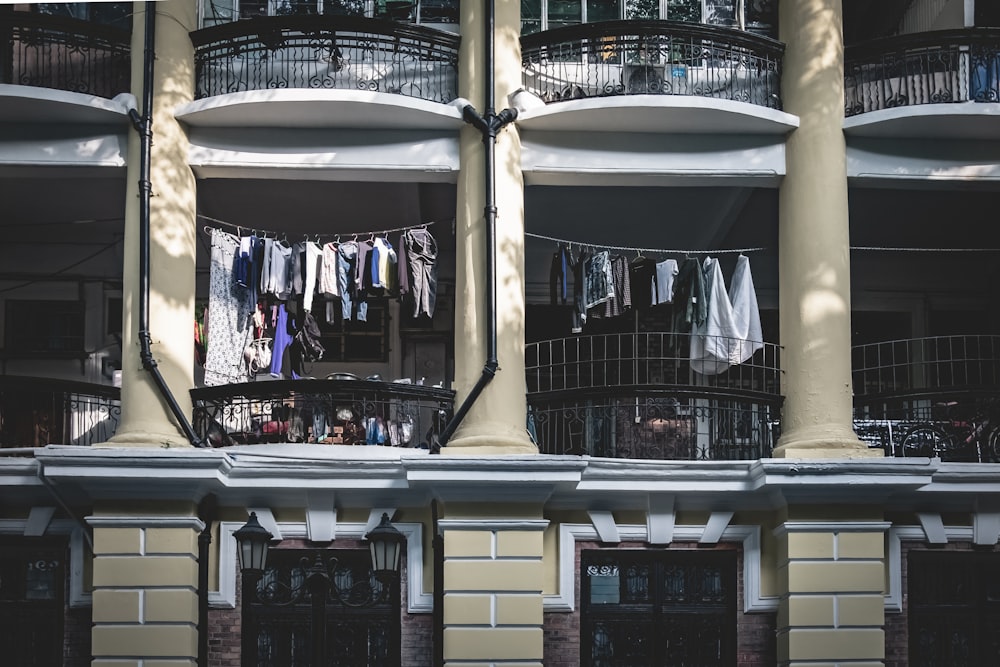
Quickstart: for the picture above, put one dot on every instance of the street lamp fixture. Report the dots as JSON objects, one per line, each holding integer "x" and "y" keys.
{"x": 253, "y": 542}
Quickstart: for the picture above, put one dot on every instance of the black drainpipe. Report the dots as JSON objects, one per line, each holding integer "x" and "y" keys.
{"x": 144, "y": 126}
{"x": 206, "y": 511}
{"x": 488, "y": 125}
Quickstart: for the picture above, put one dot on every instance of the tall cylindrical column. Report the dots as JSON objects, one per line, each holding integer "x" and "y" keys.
{"x": 146, "y": 419}
{"x": 496, "y": 421}
{"x": 814, "y": 244}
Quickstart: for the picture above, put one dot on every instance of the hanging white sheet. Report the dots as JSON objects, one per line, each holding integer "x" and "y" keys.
{"x": 731, "y": 333}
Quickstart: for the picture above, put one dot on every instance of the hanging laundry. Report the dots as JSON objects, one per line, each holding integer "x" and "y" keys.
{"x": 229, "y": 311}
{"x": 578, "y": 317}
{"x": 643, "y": 281}
{"x": 689, "y": 296}
{"x": 731, "y": 331}
{"x": 417, "y": 270}
{"x": 275, "y": 270}
{"x": 597, "y": 279}
{"x": 666, "y": 272}
{"x": 559, "y": 273}
{"x": 313, "y": 261}
{"x": 347, "y": 267}
{"x": 621, "y": 297}
{"x": 328, "y": 284}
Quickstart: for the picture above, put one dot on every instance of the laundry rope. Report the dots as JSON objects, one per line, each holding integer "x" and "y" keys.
{"x": 266, "y": 232}
{"x": 664, "y": 251}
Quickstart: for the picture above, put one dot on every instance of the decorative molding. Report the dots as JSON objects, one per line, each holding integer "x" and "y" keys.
{"x": 38, "y": 521}
{"x": 571, "y": 533}
{"x": 933, "y": 526}
{"x": 986, "y": 524}
{"x": 321, "y": 517}
{"x": 832, "y": 527}
{"x": 492, "y": 524}
{"x": 660, "y": 518}
{"x": 715, "y": 527}
{"x": 604, "y": 524}
{"x": 894, "y": 559}
{"x": 192, "y": 522}
{"x": 418, "y": 601}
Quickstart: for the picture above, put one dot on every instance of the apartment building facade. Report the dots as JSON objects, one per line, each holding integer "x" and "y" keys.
{"x": 777, "y": 444}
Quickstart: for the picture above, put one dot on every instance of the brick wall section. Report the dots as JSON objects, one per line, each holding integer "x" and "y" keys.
{"x": 76, "y": 636}
{"x": 897, "y": 634}
{"x": 224, "y": 624}
{"x": 756, "y": 645}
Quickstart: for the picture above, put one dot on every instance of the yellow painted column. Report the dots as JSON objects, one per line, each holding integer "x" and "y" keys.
{"x": 813, "y": 237}
{"x": 145, "y": 418}
{"x": 496, "y": 422}
{"x": 145, "y": 587}
{"x": 832, "y": 608}
{"x": 493, "y": 580}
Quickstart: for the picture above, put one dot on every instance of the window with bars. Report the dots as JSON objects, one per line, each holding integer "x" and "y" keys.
{"x": 44, "y": 327}
{"x": 32, "y": 581}
{"x": 953, "y": 609}
{"x": 644, "y": 608}
{"x": 359, "y": 631}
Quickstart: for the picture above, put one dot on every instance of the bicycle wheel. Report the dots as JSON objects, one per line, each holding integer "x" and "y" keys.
{"x": 992, "y": 453}
{"x": 923, "y": 440}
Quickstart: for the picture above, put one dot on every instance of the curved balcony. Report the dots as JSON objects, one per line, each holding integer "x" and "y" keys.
{"x": 64, "y": 54}
{"x": 326, "y": 52}
{"x": 930, "y": 397}
{"x": 923, "y": 70}
{"x": 635, "y": 396}
{"x": 652, "y": 58}
{"x": 323, "y": 412}
{"x": 35, "y": 412}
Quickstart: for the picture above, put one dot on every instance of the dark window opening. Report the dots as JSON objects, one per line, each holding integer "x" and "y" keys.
{"x": 358, "y": 634}
{"x": 355, "y": 340}
{"x": 46, "y": 327}
{"x": 954, "y": 609}
{"x": 647, "y": 608}
{"x": 32, "y": 584}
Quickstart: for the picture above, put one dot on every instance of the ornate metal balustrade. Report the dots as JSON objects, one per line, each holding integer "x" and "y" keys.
{"x": 636, "y": 396}
{"x": 64, "y": 53}
{"x": 923, "y": 68}
{"x": 929, "y": 396}
{"x": 35, "y": 412}
{"x": 652, "y": 58}
{"x": 349, "y": 412}
{"x": 343, "y": 52}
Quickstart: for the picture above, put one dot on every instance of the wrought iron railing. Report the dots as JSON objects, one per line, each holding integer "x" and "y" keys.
{"x": 923, "y": 68}
{"x": 349, "y": 412}
{"x": 926, "y": 365}
{"x": 652, "y": 58}
{"x": 35, "y": 412}
{"x": 342, "y": 52}
{"x": 637, "y": 396}
{"x": 64, "y": 53}
{"x": 929, "y": 396}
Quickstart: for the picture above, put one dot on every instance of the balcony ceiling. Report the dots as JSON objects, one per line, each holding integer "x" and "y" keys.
{"x": 664, "y": 114}
{"x": 30, "y": 104}
{"x": 322, "y": 109}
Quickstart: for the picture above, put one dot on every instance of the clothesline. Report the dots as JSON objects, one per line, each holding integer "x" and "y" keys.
{"x": 669, "y": 251}
{"x": 664, "y": 251}
{"x": 276, "y": 234}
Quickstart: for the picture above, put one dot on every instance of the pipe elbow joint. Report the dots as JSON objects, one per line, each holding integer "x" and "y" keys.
{"x": 133, "y": 115}
{"x": 507, "y": 116}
